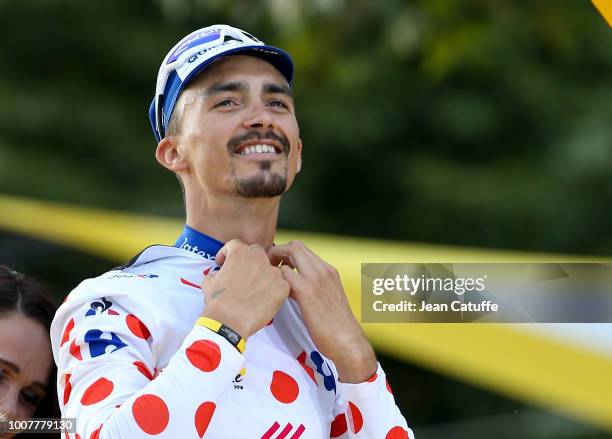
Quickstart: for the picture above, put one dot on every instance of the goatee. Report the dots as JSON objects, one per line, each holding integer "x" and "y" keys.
{"x": 262, "y": 185}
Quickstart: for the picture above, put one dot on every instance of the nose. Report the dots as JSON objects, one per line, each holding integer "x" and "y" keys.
{"x": 259, "y": 117}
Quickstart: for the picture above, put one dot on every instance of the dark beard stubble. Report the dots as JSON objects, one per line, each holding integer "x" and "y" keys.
{"x": 265, "y": 184}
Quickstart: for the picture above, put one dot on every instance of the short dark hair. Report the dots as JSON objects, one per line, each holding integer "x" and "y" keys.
{"x": 24, "y": 295}
{"x": 174, "y": 126}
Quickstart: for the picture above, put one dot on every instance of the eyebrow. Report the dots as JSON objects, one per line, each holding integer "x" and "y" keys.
{"x": 10, "y": 365}
{"x": 17, "y": 369}
{"x": 221, "y": 87}
{"x": 268, "y": 88}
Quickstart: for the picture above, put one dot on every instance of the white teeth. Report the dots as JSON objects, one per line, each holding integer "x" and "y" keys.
{"x": 259, "y": 149}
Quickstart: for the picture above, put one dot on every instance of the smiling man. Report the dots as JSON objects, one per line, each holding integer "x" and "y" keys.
{"x": 224, "y": 335}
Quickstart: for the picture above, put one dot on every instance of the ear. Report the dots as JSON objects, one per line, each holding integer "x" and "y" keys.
{"x": 299, "y": 156}
{"x": 170, "y": 155}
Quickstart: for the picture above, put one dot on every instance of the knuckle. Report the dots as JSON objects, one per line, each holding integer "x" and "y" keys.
{"x": 235, "y": 243}
{"x": 296, "y": 244}
{"x": 237, "y": 246}
{"x": 258, "y": 250}
{"x": 332, "y": 271}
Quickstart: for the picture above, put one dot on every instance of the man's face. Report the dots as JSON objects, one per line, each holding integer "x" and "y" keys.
{"x": 238, "y": 131}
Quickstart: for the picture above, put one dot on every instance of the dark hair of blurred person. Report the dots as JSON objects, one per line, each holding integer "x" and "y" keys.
{"x": 27, "y": 370}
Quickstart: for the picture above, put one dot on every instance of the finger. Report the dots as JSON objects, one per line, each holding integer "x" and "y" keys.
{"x": 293, "y": 278}
{"x": 225, "y": 251}
{"x": 279, "y": 257}
{"x": 315, "y": 262}
{"x": 298, "y": 256}
{"x": 257, "y": 248}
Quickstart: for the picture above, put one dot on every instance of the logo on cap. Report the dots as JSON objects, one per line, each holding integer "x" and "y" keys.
{"x": 194, "y": 40}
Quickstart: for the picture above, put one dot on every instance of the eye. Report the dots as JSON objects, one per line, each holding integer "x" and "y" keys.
{"x": 3, "y": 376}
{"x": 30, "y": 397}
{"x": 224, "y": 103}
{"x": 279, "y": 104}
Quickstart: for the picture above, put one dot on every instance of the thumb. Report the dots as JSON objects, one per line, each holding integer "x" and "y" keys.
{"x": 221, "y": 256}
{"x": 228, "y": 248}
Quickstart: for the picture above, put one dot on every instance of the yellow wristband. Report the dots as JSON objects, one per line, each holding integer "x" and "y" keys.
{"x": 224, "y": 331}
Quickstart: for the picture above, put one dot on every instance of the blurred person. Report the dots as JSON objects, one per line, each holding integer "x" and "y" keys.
{"x": 159, "y": 346}
{"x": 27, "y": 372}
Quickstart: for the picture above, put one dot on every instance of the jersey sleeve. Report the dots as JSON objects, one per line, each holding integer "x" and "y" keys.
{"x": 108, "y": 378}
{"x": 369, "y": 411}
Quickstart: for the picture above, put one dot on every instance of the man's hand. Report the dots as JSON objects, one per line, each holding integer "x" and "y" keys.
{"x": 247, "y": 291}
{"x": 317, "y": 288}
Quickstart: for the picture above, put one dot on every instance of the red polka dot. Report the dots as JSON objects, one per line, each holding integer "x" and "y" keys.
{"x": 77, "y": 436}
{"x": 302, "y": 360}
{"x": 371, "y": 380}
{"x": 284, "y": 387}
{"x": 204, "y": 354}
{"x": 397, "y": 433}
{"x": 67, "y": 330}
{"x": 99, "y": 390}
{"x": 67, "y": 388}
{"x": 75, "y": 350}
{"x": 338, "y": 427}
{"x": 151, "y": 413}
{"x": 143, "y": 369}
{"x": 389, "y": 387}
{"x": 96, "y": 433}
{"x": 137, "y": 327}
{"x": 203, "y": 415}
{"x": 357, "y": 418}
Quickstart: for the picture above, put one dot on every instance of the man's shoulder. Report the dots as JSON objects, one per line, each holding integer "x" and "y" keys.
{"x": 140, "y": 276}
{"x": 159, "y": 254}
{"x": 152, "y": 285}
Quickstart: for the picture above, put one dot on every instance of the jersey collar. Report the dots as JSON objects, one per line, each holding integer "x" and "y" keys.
{"x": 198, "y": 243}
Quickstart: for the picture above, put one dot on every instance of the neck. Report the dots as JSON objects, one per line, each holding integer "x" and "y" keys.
{"x": 251, "y": 220}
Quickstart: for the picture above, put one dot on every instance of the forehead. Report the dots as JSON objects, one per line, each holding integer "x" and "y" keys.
{"x": 243, "y": 67}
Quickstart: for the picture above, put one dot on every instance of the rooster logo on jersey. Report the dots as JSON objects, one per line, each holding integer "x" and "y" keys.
{"x": 99, "y": 307}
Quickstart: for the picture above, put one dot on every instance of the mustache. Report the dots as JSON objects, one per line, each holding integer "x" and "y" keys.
{"x": 235, "y": 142}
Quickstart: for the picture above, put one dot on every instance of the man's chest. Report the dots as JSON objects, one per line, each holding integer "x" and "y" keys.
{"x": 277, "y": 394}
{"x": 286, "y": 388}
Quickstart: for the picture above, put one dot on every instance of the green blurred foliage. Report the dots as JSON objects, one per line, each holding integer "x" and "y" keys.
{"x": 474, "y": 123}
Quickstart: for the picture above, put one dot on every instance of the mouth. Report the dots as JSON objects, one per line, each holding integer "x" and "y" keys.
{"x": 260, "y": 150}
